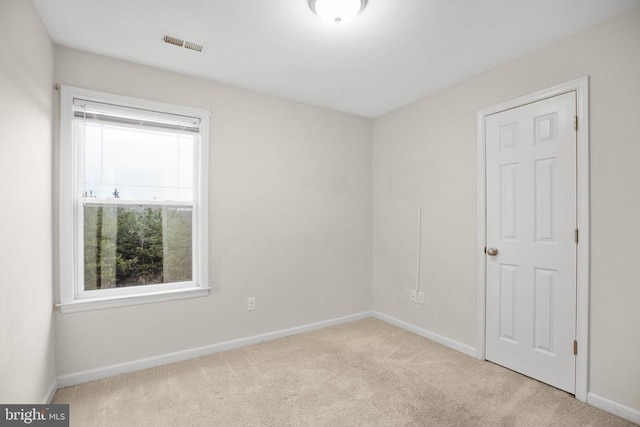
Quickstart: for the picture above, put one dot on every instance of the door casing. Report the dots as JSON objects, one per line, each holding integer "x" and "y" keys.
{"x": 581, "y": 86}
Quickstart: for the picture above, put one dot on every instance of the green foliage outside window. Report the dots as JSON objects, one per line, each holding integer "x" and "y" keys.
{"x": 136, "y": 245}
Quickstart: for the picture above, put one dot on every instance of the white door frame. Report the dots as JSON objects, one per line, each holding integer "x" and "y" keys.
{"x": 581, "y": 87}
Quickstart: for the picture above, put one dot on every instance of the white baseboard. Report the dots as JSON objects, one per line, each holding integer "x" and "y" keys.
{"x": 48, "y": 397}
{"x": 164, "y": 359}
{"x": 448, "y": 342}
{"x": 614, "y": 408}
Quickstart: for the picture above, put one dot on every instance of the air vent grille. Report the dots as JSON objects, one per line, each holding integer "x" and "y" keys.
{"x": 173, "y": 40}
{"x": 177, "y": 41}
{"x": 193, "y": 46}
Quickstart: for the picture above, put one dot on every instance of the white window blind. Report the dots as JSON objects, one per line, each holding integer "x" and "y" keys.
{"x": 99, "y": 111}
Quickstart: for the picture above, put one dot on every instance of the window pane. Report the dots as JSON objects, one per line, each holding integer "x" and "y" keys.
{"x": 136, "y": 245}
{"x": 135, "y": 163}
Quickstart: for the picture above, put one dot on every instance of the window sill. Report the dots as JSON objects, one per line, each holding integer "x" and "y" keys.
{"x": 132, "y": 299}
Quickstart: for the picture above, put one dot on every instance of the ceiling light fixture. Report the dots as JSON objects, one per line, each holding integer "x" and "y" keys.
{"x": 337, "y": 11}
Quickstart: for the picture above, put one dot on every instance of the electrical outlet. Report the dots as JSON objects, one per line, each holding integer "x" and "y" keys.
{"x": 251, "y": 303}
{"x": 414, "y": 295}
{"x": 420, "y": 297}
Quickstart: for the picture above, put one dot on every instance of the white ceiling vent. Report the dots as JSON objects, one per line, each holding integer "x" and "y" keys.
{"x": 177, "y": 41}
{"x": 193, "y": 46}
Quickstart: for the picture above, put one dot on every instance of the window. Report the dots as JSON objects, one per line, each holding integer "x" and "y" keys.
{"x": 133, "y": 200}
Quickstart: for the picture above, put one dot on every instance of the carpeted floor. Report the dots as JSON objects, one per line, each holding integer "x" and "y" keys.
{"x": 365, "y": 373}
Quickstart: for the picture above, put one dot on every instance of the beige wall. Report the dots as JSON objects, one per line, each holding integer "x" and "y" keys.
{"x": 424, "y": 156}
{"x": 290, "y": 220}
{"x": 27, "y": 367}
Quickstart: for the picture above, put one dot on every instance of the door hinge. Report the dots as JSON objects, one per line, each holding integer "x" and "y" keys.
{"x": 575, "y": 122}
{"x": 577, "y": 236}
{"x": 485, "y": 249}
{"x": 575, "y": 347}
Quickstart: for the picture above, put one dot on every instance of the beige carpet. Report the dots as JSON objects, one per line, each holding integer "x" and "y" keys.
{"x": 366, "y": 373}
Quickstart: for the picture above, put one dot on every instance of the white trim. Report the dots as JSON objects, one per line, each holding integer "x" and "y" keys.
{"x": 481, "y": 238}
{"x": 48, "y": 397}
{"x": 583, "y": 258}
{"x": 94, "y": 201}
{"x": 67, "y": 213}
{"x": 581, "y": 87}
{"x": 153, "y": 361}
{"x": 447, "y": 342}
{"x": 613, "y": 407}
{"x": 202, "y": 213}
{"x": 86, "y": 304}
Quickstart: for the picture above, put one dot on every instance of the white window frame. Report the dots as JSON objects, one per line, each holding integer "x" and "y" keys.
{"x": 73, "y": 297}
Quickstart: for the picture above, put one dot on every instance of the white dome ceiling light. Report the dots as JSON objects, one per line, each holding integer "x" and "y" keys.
{"x": 337, "y": 11}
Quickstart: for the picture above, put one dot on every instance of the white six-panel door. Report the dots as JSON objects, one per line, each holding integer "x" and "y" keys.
{"x": 531, "y": 222}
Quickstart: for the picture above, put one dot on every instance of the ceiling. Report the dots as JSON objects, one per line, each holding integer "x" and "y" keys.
{"x": 394, "y": 52}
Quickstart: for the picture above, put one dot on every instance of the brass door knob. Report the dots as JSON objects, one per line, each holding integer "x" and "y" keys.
{"x": 492, "y": 251}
